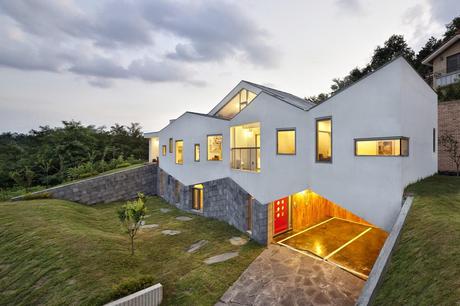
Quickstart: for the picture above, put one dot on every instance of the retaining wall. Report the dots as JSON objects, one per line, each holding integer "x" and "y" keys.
{"x": 122, "y": 185}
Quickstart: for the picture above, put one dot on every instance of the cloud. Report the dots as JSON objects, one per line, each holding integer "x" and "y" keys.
{"x": 444, "y": 11}
{"x": 352, "y": 6}
{"x": 119, "y": 39}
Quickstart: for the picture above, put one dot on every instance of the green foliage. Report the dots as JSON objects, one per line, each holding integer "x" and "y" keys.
{"x": 36, "y": 196}
{"x": 50, "y": 156}
{"x": 130, "y": 286}
{"x": 449, "y": 92}
{"x": 7, "y": 194}
{"x": 130, "y": 215}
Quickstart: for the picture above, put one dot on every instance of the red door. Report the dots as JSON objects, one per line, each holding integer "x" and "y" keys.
{"x": 281, "y": 215}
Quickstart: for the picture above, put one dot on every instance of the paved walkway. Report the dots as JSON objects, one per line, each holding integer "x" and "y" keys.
{"x": 280, "y": 276}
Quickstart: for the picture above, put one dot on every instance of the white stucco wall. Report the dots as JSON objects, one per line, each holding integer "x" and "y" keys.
{"x": 393, "y": 101}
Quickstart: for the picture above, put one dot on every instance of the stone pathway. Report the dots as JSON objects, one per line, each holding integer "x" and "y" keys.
{"x": 220, "y": 258}
{"x": 170, "y": 232}
{"x": 147, "y": 226}
{"x": 238, "y": 241}
{"x": 183, "y": 218}
{"x": 165, "y": 210}
{"x": 196, "y": 246}
{"x": 280, "y": 276}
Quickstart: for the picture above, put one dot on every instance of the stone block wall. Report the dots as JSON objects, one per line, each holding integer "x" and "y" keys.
{"x": 223, "y": 199}
{"x": 448, "y": 122}
{"x": 122, "y": 185}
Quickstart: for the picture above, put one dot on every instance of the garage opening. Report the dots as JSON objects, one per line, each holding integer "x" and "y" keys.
{"x": 310, "y": 224}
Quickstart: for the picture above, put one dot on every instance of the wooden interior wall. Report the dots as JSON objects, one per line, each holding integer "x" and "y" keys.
{"x": 309, "y": 208}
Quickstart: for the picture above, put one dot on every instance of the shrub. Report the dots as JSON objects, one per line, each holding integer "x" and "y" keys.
{"x": 449, "y": 92}
{"x": 130, "y": 286}
{"x": 37, "y": 196}
{"x": 131, "y": 214}
{"x": 82, "y": 171}
{"x": 123, "y": 165}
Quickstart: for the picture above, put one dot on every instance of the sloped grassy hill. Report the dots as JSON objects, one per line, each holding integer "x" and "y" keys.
{"x": 425, "y": 267}
{"x": 58, "y": 252}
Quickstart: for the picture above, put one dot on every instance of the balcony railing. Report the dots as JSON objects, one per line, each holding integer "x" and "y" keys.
{"x": 247, "y": 159}
{"x": 447, "y": 79}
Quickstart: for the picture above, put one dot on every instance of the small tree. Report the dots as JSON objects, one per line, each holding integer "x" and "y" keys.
{"x": 451, "y": 145}
{"x": 131, "y": 214}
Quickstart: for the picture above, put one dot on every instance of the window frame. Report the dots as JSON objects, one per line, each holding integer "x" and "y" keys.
{"x": 171, "y": 144}
{"x": 457, "y": 59}
{"x": 316, "y": 138}
{"x": 434, "y": 140}
{"x": 221, "y": 149}
{"x": 289, "y": 129}
{"x": 201, "y": 198}
{"x": 384, "y": 138}
{"x": 194, "y": 152}
{"x": 164, "y": 150}
{"x": 175, "y": 152}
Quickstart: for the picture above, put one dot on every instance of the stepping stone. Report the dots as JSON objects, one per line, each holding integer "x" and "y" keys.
{"x": 196, "y": 246}
{"x": 147, "y": 216}
{"x": 183, "y": 218}
{"x": 165, "y": 210}
{"x": 149, "y": 226}
{"x": 170, "y": 232}
{"x": 220, "y": 258}
{"x": 238, "y": 241}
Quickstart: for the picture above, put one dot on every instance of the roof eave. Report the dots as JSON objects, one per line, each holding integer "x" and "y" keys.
{"x": 428, "y": 61}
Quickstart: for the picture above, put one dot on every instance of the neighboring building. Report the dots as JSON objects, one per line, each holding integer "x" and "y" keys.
{"x": 445, "y": 62}
{"x": 267, "y": 161}
{"x": 446, "y": 71}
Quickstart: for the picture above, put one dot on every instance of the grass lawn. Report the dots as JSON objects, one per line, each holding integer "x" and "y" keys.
{"x": 425, "y": 268}
{"x": 58, "y": 252}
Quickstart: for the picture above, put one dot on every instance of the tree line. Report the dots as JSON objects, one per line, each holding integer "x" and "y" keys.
{"x": 395, "y": 45}
{"x": 50, "y": 156}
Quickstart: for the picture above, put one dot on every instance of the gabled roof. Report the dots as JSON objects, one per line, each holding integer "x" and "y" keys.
{"x": 428, "y": 61}
{"x": 285, "y": 96}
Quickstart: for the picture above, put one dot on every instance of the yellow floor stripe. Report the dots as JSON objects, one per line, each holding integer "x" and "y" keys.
{"x": 366, "y": 225}
{"x": 300, "y": 251}
{"x": 350, "y": 241}
{"x": 307, "y": 229}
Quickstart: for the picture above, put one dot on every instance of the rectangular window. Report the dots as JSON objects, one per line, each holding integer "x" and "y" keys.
{"x": 392, "y": 146}
{"x": 214, "y": 147}
{"x": 179, "y": 152}
{"x": 197, "y": 197}
{"x": 163, "y": 150}
{"x": 434, "y": 140}
{"x": 285, "y": 141}
{"x": 245, "y": 147}
{"x": 170, "y": 145}
{"x": 324, "y": 140}
{"x": 197, "y": 152}
{"x": 453, "y": 63}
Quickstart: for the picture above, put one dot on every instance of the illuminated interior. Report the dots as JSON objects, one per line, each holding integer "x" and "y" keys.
{"x": 197, "y": 197}
{"x": 245, "y": 147}
{"x": 215, "y": 147}
{"x": 285, "y": 142}
{"x": 382, "y": 147}
{"x": 320, "y": 228}
{"x": 236, "y": 104}
{"x": 179, "y": 152}
{"x": 324, "y": 140}
{"x": 163, "y": 150}
{"x": 197, "y": 152}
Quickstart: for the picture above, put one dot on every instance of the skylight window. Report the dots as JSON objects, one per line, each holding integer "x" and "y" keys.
{"x": 236, "y": 104}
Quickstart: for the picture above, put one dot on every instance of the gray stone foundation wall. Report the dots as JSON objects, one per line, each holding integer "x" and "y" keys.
{"x": 122, "y": 185}
{"x": 223, "y": 199}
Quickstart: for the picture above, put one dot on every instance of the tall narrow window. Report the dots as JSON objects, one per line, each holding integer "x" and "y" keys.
{"x": 324, "y": 140}
{"x": 214, "y": 147}
{"x": 163, "y": 150}
{"x": 179, "y": 152}
{"x": 434, "y": 140}
{"x": 397, "y": 146}
{"x": 197, "y": 197}
{"x": 170, "y": 145}
{"x": 197, "y": 152}
{"x": 285, "y": 141}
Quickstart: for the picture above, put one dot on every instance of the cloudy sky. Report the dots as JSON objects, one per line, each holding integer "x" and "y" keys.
{"x": 148, "y": 61}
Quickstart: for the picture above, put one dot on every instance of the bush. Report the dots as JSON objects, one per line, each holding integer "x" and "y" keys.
{"x": 37, "y": 196}
{"x": 449, "y": 92}
{"x": 123, "y": 165}
{"x": 7, "y": 194}
{"x": 130, "y": 286}
{"x": 82, "y": 171}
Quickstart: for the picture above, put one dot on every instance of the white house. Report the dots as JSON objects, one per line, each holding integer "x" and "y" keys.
{"x": 261, "y": 151}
